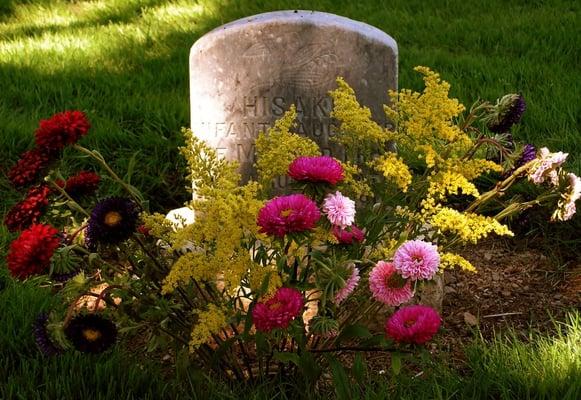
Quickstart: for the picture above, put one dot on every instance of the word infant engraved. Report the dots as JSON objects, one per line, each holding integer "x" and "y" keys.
{"x": 246, "y": 74}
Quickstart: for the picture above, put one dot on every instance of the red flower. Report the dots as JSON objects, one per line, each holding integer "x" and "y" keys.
{"x": 30, "y": 253}
{"x": 288, "y": 214}
{"x": 278, "y": 311}
{"x": 28, "y": 211}
{"x": 27, "y": 169}
{"x": 82, "y": 184}
{"x": 413, "y": 324}
{"x": 61, "y": 129}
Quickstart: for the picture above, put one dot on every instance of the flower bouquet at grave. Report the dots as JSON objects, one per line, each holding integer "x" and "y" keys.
{"x": 257, "y": 283}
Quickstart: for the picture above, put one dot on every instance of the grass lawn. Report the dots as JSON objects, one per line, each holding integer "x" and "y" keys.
{"x": 124, "y": 62}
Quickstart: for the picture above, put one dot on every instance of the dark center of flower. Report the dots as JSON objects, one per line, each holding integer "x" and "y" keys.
{"x": 91, "y": 334}
{"x": 395, "y": 281}
{"x": 409, "y": 322}
{"x": 286, "y": 213}
{"x": 113, "y": 218}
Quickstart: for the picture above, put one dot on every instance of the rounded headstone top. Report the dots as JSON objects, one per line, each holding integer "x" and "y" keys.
{"x": 304, "y": 17}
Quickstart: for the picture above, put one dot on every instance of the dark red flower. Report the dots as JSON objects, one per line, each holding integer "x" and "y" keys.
{"x": 29, "y": 210}
{"x": 82, "y": 184}
{"x": 144, "y": 230}
{"x": 61, "y": 129}
{"x": 31, "y": 252}
{"x": 27, "y": 169}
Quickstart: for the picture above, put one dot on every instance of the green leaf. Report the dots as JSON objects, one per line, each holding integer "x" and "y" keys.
{"x": 353, "y": 331}
{"x": 308, "y": 366}
{"x": 340, "y": 379}
{"x": 287, "y": 357}
{"x": 396, "y": 363}
{"x": 359, "y": 369}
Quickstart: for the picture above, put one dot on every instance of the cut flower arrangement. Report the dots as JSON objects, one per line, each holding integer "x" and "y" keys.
{"x": 258, "y": 283}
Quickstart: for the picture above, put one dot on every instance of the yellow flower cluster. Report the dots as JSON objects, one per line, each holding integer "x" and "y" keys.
{"x": 451, "y": 260}
{"x": 159, "y": 227}
{"x": 210, "y": 322}
{"x": 469, "y": 227}
{"x": 394, "y": 169}
{"x": 257, "y": 277}
{"x": 358, "y": 131}
{"x": 278, "y": 147}
{"x": 354, "y": 184}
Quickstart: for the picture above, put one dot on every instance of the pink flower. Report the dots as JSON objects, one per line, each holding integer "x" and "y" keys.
{"x": 413, "y": 324}
{"x": 287, "y": 214}
{"x": 387, "y": 286}
{"x": 316, "y": 169}
{"x": 278, "y": 311}
{"x": 340, "y": 210}
{"x": 350, "y": 285}
{"x": 417, "y": 259}
{"x": 348, "y": 235}
{"x": 545, "y": 167}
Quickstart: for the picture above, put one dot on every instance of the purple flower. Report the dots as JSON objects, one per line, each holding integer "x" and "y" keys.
{"x": 42, "y": 337}
{"x": 113, "y": 220}
{"x": 508, "y": 112}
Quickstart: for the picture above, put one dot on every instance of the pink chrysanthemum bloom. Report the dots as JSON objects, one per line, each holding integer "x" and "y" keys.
{"x": 288, "y": 214}
{"x": 566, "y": 206}
{"x": 387, "y": 286}
{"x": 417, "y": 259}
{"x": 413, "y": 324}
{"x": 348, "y": 235}
{"x": 350, "y": 285}
{"x": 340, "y": 210}
{"x": 278, "y": 311}
{"x": 545, "y": 167}
{"x": 316, "y": 169}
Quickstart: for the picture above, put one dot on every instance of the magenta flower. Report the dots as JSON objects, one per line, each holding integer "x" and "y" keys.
{"x": 387, "y": 286}
{"x": 417, "y": 259}
{"x": 348, "y": 235}
{"x": 278, "y": 311}
{"x": 413, "y": 324}
{"x": 349, "y": 287}
{"x": 316, "y": 169}
{"x": 340, "y": 210}
{"x": 288, "y": 214}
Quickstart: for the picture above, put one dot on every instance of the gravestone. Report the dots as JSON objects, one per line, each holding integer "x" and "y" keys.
{"x": 244, "y": 75}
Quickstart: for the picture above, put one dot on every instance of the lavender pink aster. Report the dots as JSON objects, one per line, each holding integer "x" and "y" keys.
{"x": 350, "y": 285}
{"x": 348, "y": 235}
{"x": 288, "y": 214}
{"x": 387, "y": 286}
{"x": 417, "y": 259}
{"x": 278, "y": 311}
{"x": 566, "y": 206}
{"x": 340, "y": 210}
{"x": 545, "y": 168}
{"x": 413, "y": 324}
{"x": 316, "y": 169}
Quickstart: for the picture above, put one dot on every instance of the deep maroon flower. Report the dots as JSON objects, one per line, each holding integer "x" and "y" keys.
{"x": 91, "y": 333}
{"x": 42, "y": 337}
{"x": 288, "y": 214}
{"x": 278, "y": 311}
{"x": 507, "y": 112}
{"x": 82, "y": 184}
{"x": 316, "y": 169}
{"x": 31, "y": 252}
{"x": 112, "y": 220}
{"x": 61, "y": 129}
{"x": 529, "y": 153}
{"x": 29, "y": 210}
{"x": 28, "y": 167}
{"x": 413, "y": 324}
{"x": 348, "y": 235}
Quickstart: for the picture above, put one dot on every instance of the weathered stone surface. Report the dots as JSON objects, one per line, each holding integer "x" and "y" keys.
{"x": 246, "y": 74}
